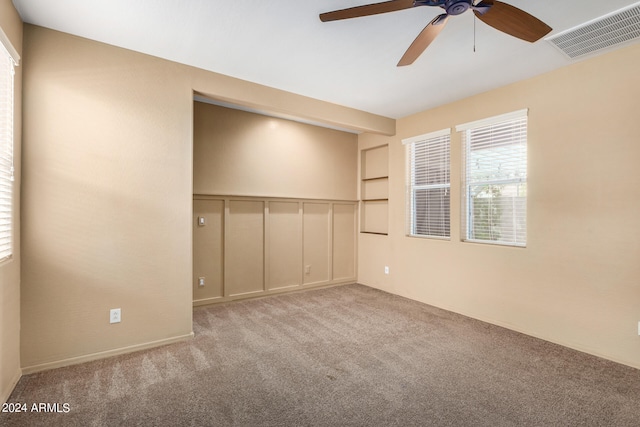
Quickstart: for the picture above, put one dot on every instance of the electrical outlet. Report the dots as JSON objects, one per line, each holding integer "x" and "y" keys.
{"x": 114, "y": 315}
{"x": 200, "y": 281}
{"x": 307, "y": 269}
{"x": 386, "y": 269}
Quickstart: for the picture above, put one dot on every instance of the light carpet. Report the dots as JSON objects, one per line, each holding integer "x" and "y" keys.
{"x": 342, "y": 356}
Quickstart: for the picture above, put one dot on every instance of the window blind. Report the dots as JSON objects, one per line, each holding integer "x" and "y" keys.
{"x": 428, "y": 184}
{"x": 7, "y": 62}
{"x": 495, "y": 180}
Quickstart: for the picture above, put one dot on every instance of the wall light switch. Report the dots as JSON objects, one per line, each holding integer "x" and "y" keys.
{"x": 201, "y": 220}
{"x": 386, "y": 269}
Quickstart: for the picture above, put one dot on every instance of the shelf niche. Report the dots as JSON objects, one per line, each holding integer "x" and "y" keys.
{"x": 374, "y": 190}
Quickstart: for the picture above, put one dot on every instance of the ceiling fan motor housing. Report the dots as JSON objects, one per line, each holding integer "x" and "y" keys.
{"x": 504, "y": 17}
{"x": 453, "y": 7}
{"x": 440, "y": 3}
{"x": 457, "y": 7}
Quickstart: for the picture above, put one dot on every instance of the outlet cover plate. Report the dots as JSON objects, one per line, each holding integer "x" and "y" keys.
{"x": 114, "y": 315}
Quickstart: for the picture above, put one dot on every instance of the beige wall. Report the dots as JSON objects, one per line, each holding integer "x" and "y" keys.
{"x": 577, "y": 282}
{"x": 11, "y": 24}
{"x": 107, "y": 192}
{"x": 107, "y": 204}
{"x": 290, "y": 174}
{"x": 253, "y": 246}
{"x": 247, "y": 154}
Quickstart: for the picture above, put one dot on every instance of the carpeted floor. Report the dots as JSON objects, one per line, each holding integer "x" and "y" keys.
{"x": 342, "y": 356}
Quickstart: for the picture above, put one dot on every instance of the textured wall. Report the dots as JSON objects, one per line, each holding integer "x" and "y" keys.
{"x": 577, "y": 282}
{"x": 107, "y": 192}
{"x": 246, "y": 154}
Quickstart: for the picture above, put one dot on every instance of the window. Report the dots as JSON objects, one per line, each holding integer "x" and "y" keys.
{"x": 428, "y": 185}
{"x": 8, "y": 58}
{"x": 495, "y": 179}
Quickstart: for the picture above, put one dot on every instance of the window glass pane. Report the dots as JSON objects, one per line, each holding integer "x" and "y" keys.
{"x": 431, "y": 163}
{"x": 428, "y": 181}
{"x": 495, "y": 180}
{"x": 432, "y": 212}
{"x": 6, "y": 153}
{"x": 498, "y": 213}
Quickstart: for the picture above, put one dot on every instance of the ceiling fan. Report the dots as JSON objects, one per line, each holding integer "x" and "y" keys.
{"x": 501, "y": 16}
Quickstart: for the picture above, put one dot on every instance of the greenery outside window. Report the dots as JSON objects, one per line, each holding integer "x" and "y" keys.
{"x": 494, "y": 177}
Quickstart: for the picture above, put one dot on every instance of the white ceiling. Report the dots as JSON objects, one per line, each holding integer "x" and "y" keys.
{"x": 283, "y": 44}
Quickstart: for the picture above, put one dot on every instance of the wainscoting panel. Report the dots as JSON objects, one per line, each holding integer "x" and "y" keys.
{"x": 252, "y": 246}
{"x": 317, "y": 235}
{"x": 284, "y": 245}
{"x": 344, "y": 246}
{"x": 244, "y": 248}
{"x": 209, "y": 239}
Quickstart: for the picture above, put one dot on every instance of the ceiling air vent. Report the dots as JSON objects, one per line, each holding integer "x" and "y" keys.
{"x": 606, "y": 32}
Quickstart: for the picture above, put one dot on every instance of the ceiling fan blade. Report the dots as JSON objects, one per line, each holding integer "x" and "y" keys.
{"x": 424, "y": 39}
{"x": 366, "y": 10}
{"x": 511, "y": 20}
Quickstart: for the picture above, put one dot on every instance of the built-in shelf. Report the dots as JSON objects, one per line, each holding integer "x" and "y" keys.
{"x": 375, "y": 178}
{"x": 374, "y": 190}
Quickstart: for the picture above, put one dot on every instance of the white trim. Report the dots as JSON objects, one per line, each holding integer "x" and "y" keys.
{"x": 7, "y": 124}
{"x": 496, "y": 243}
{"x": 492, "y": 120}
{"x": 5, "y": 394}
{"x": 104, "y": 354}
{"x": 7, "y": 44}
{"x": 441, "y": 141}
{"x": 426, "y": 136}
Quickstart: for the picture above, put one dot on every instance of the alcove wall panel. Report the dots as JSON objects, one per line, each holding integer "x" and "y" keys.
{"x": 285, "y": 245}
{"x": 209, "y": 239}
{"x": 316, "y": 222}
{"x": 248, "y": 154}
{"x": 244, "y": 247}
{"x": 253, "y": 246}
{"x": 344, "y": 246}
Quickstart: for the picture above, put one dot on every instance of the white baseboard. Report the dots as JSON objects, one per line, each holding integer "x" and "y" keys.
{"x": 102, "y": 355}
{"x": 4, "y": 394}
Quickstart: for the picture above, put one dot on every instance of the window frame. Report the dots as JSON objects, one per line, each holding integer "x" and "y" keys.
{"x": 10, "y": 59}
{"x": 441, "y": 138}
{"x": 466, "y": 206}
